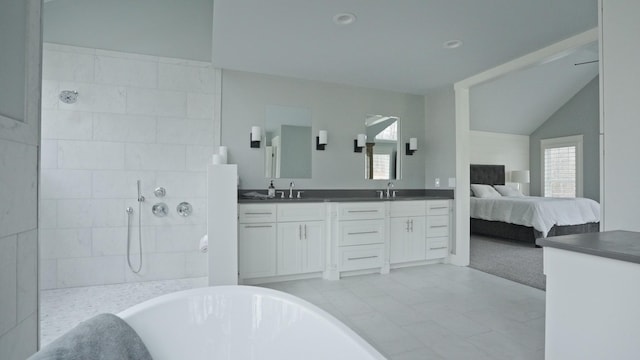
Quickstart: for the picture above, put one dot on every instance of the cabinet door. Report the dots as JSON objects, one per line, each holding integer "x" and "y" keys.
{"x": 290, "y": 239}
{"x": 314, "y": 249}
{"x": 415, "y": 247}
{"x": 398, "y": 239}
{"x": 257, "y": 250}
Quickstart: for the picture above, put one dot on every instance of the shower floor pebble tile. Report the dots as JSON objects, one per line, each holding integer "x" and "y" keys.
{"x": 62, "y": 309}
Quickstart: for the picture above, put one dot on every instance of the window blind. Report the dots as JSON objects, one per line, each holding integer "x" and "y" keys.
{"x": 560, "y": 171}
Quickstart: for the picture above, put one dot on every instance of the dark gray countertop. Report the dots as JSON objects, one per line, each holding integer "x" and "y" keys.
{"x": 618, "y": 245}
{"x": 350, "y": 196}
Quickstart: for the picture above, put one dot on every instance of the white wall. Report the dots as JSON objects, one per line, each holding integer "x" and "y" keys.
{"x": 137, "y": 117}
{"x": 509, "y": 150}
{"x": 19, "y": 138}
{"x": 620, "y": 107}
{"x": 170, "y": 28}
{"x": 440, "y": 145}
{"x": 339, "y": 109}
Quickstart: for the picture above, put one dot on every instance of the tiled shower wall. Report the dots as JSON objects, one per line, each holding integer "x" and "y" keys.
{"x": 136, "y": 117}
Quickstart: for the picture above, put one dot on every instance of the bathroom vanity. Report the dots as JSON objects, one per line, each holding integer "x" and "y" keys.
{"x": 284, "y": 239}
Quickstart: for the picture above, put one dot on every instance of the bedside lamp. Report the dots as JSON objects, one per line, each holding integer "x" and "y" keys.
{"x": 520, "y": 177}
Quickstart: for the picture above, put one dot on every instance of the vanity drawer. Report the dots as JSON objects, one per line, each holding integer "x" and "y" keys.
{"x": 360, "y": 211}
{"x": 301, "y": 212}
{"x": 437, "y": 247}
{"x": 438, "y": 226}
{"x": 360, "y": 257}
{"x": 438, "y": 207}
{"x": 360, "y": 232}
{"x": 407, "y": 208}
{"x": 256, "y": 213}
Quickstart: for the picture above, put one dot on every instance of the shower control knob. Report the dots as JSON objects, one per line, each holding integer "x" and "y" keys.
{"x": 160, "y": 209}
{"x": 184, "y": 209}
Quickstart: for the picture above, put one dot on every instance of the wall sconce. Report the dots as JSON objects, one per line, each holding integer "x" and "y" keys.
{"x": 411, "y": 146}
{"x": 321, "y": 140}
{"x": 255, "y": 136}
{"x": 359, "y": 143}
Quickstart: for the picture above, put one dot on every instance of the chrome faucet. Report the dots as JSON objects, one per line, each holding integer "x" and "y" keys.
{"x": 291, "y": 186}
{"x": 389, "y": 186}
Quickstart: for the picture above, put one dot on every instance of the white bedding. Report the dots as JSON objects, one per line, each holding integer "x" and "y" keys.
{"x": 541, "y": 213}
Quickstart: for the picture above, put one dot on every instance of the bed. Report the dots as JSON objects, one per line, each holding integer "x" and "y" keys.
{"x": 529, "y": 218}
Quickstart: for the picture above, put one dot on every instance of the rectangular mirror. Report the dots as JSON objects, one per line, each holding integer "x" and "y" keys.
{"x": 288, "y": 142}
{"x": 382, "y": 151}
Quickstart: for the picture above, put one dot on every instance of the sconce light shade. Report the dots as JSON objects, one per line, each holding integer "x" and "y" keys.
{"x": 256, "y": 136}
{"x": 359, "y": 143}
{"x": 321, "y": 140}
{"x": 411, "y": 146}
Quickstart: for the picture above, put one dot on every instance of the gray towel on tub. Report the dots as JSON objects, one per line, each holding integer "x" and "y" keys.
{"x": 103, "y": 337}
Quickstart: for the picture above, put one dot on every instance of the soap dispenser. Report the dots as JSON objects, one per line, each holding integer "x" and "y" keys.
{"x": 271, "y": 191}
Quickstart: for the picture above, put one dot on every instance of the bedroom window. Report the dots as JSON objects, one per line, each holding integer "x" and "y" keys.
{"x": 562, "y": 166}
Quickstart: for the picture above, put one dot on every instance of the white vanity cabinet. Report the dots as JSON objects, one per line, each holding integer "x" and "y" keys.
{"x": 407, "y": 238}
{"x": 360, "y": 235}
{"x": 301, "y": 238}
{"x": 257, "y": 240}
{"x": 437, "y": 229}
{"x": 281, "y": 239}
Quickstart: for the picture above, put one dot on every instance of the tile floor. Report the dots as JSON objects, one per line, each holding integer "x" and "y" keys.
{"x": 427, "y": 312}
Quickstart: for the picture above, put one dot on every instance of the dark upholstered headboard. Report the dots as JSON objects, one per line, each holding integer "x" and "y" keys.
{"x": 487, "y": 174}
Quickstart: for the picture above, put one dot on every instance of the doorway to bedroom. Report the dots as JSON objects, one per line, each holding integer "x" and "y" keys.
{"x": 521, "y": 120}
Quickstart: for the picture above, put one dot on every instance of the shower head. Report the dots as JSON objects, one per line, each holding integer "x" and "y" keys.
{"x": 68, "y": 96}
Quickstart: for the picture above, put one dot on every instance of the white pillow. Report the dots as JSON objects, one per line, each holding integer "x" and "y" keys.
{"x": 506, "y": 190}
{"x": 484, "y": 191}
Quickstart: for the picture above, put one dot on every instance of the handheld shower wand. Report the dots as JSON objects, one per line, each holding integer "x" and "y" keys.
{"x": 129, "y": 213}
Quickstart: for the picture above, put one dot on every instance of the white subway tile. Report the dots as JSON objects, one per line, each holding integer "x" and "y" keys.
{"x": 192, "y": 132}
{"x": 96, "y": 98}
{"x": 64, "y": 184}
{"x": 122, "y": 184}
{"x": 183, "y": 184}
{"x": 65, "y": 66}
{"x": 48, "y": 154}
{"x": 50, "y": 92}
{"x": 179, "y": 238}
{"x": 126, "y": 72}
{"x": 48, "y": 269}
{"x": 167, "y": 265}
{"x": 197, "y": 264}
{"x": 198, "y": 157}
{"x": 186, "y": 78}
{"x": 124, "y": 128}
{"x": 18, "y": 185}
{"x": 156, "y": 102}
{"x": 74, "y": 213}
{"x": 113, "y": 240}
{"x": 155, "y": 157}
{"x": 27, "y": 274}
{"x": 99, "y": 270}
{"x": 67, "y": 125}
{"x": 65, "y": 243}
{"x": 200, "y": 106}
{"x": 107, "y": 212}
{"x": 47, "y": 214}
{"x": 8, "y": 282}
{"x": 90, "y": 155}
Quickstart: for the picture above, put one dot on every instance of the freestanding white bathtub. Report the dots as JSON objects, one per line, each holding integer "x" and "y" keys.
{"x": 242, "y": 322}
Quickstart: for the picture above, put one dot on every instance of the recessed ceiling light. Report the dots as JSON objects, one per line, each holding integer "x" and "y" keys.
{"x": 452, "y": 44}
{"x": 344, "y": 18}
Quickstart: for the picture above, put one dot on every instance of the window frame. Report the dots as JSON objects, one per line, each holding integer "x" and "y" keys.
{"x": 564, "y": 141}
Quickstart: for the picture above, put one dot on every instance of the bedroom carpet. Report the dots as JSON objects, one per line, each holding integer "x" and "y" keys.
{"x": 517, "y": 262}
